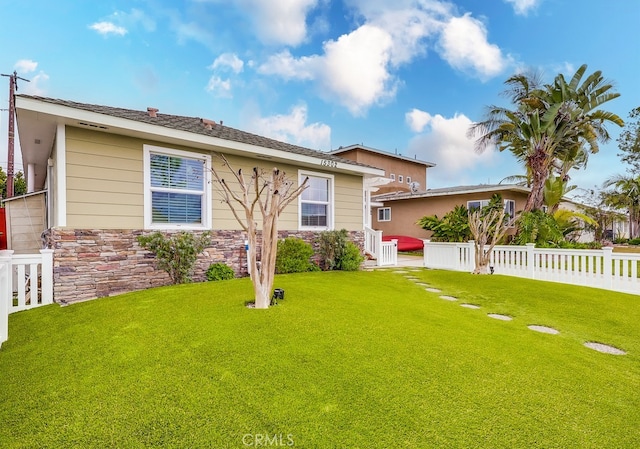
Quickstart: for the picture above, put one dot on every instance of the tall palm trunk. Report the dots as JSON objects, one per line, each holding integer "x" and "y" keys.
{"x": 539, "y": 163}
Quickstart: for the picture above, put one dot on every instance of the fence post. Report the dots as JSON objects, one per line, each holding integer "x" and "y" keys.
{"x": 607, "y": 272}
{"x": 531, "y": 268}
{"x": 425, "y": 243}
{"x": 47, "y": 276}
{"x": 470, "y": 260}
{"x": 6, "y": 293}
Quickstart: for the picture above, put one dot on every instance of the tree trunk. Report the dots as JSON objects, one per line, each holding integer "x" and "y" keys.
{"x": 482, "y": 259}
{"x": 540, "y": 172}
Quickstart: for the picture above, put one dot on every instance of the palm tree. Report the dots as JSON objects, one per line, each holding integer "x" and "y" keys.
{"x": 626, "y": 195}
{"x": 552, "y": 128}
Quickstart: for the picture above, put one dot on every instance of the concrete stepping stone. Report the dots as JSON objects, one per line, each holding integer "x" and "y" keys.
{"x": 601, "y": 347}
{"x": 448, "y": 298}
{"x": 422, "y": 284}
{"x": 433, "y": 290}
{"x": 400, "y": 271}
{"x": 499, "y": 316}
{"x": 470, "y": 306}
{"x": 544, "y": 329}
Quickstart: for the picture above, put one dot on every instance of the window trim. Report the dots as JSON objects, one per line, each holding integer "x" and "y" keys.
{"x": 206, "y": 194}
{"x": 408, "y": 179}
{"x": 400, "y": 179}
{"x": 330, "y": 204}
{"x": 392, "y": 176}
{"x": 380, "y": 209}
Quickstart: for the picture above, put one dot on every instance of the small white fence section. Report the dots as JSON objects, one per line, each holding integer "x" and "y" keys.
{"x": 26, "y": 282}
{"x": 593, "y": 268}
{"x": 385, "y": 253}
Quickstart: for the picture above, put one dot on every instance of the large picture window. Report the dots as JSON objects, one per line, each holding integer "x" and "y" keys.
{"x": 316, "y": 202}
{"x": 177, "y": 189}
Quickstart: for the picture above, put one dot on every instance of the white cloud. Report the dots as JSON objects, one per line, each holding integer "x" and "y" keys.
{"x": 464, "y": 45}
{"x": 446, "y": 144}
{"x": 107, "y": 28}
{"x": 279, "y": 22}
{"x": 37, "y": 86}
{"x": 229, "y": 60}
{"x": 417, "y": 119}
{"x": 358, "y": 69}
{"x": 219, "y": 87}
{"x": 522, "y": 7}
{"x": 25, "y": 66}
{"x": 293, "y": 128}
{"x": 353, "y": 70}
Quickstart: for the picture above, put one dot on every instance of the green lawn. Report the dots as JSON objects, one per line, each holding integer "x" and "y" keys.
{"x": 347, "y": 360}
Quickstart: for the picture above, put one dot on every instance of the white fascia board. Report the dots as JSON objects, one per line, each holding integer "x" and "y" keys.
{"x": 188, "y": 138}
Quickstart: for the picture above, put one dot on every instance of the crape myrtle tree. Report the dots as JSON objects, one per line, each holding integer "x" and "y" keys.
{"x": 488, "y": 225}
{"x": 261, "y": 196}
{"x": 551, "y": 128}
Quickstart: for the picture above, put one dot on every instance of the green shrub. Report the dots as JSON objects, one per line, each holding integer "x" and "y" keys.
{"x": 635, "y": 241}
{"x": 220, "y": 272}
{"x": 351, "y": 258}
{"x": 294, "y": 256}
{"x": 337, "y": 252}
{"x": 176, "y": 253}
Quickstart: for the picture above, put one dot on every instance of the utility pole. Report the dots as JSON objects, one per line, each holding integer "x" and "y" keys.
{"x": 13, "y": 87}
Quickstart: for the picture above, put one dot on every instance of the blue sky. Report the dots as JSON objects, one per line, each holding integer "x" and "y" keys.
{"x": 405, "y": 76}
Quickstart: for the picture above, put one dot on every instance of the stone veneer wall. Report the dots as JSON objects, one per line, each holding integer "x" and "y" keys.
{"x": 92, "y": 263}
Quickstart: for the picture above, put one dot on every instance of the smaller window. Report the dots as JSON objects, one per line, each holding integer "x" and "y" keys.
{"x": 479, "y": 204}
{"x": 408, "y": 179}
{"x": 400, "y": 179}
{"x": 384, "y": 214}
{"x": 510, "y": 208}
{"x": 392, "y": 177}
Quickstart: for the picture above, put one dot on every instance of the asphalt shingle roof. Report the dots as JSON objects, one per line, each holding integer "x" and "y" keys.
{"x": 196, "y": 126}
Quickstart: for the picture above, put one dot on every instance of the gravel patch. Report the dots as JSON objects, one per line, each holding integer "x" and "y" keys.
{"x": 544, "y": 329}
{"x": 498, "y": 316}
{"x": 470, "y": 306}
{"x": 448, "y": 298}
{"x": 433, "y": 290}
{"x": 601, "y": 347}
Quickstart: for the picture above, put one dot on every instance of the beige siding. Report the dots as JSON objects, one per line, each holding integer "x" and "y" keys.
{"x": 25, "y": 223}
{"x": 104, "y": 180}
{"x": 105, "y": 185}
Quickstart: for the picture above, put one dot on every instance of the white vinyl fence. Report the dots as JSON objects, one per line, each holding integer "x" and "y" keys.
{"x": 26, "y": 282}
{"x": 385, "y": 253}
{"x": 594, "y": 268}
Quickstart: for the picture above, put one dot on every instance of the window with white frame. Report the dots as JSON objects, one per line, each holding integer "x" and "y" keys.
{"x": 384, "y": 214}
{"x": 316, "y": 201}
{"x": 477, "y": 204}
{"x": 400, "y": 179}
{"x": 408, "y": 179}
{"x": 176, "y": 189}
{"x": 510, "y": 208}
{"x": 392, "y": 176}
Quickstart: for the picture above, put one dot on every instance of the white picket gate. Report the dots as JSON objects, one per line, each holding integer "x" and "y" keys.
{"x": 594, "y": 268}
{"x": 385, "y": 253}
{"x": 26, "y": 282}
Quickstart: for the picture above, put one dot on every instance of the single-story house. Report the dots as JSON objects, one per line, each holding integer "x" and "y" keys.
{"x": 104, "y": 175}
{"x": 398, "y": 213}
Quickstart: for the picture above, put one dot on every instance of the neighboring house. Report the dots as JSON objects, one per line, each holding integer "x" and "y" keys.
{"x": 399, "y": 212}
{"x": 403, "y": 172}
{"x": 111, "y": 174}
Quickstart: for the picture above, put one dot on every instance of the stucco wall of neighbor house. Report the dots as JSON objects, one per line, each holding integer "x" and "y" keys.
{"x": 105, "y": 186}
{"x": 405, "y": 213}
{"x": 392, "y": 165}
{"x": 93, "y": 263}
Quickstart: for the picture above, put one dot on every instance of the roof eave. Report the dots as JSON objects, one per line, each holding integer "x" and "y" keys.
{"x": 70, "y": 116}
